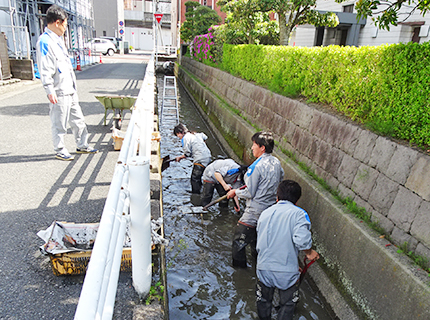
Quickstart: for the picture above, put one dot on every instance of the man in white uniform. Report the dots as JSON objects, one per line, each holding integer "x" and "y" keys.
{"x": 59, "y": 82}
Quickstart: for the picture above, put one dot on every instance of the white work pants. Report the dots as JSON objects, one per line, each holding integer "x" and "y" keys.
{"x": 67, "y": 110}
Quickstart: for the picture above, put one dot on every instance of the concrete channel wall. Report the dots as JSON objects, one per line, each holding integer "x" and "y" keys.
{"x": 388, "y": 179}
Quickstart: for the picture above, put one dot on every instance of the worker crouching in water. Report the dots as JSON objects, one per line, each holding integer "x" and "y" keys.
{"x": 261, "y": 179}
{"x": 194, "y": 146}
{"x": 283, "y": 230}
{"x": 222, "y": 175}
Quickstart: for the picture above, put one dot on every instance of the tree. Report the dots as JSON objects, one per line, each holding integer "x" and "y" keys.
{"x": 386, "y": 13}
{"x": 242, "y": 17}
{"x": 198, "y": 20}
{"x": 297, "y": 12}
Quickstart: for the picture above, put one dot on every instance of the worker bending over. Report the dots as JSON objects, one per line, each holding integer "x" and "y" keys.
{"x": 194, "y": 146}
{"x": 222, "y": 175}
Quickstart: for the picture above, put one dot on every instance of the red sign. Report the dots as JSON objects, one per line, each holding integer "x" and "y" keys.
{"x": 158, "y": 16}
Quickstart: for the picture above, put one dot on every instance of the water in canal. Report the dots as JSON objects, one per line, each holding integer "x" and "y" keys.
{"x": 201, "y": 282}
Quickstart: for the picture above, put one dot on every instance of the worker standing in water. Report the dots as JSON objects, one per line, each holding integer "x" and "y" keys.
{"x": 261, "y": 179}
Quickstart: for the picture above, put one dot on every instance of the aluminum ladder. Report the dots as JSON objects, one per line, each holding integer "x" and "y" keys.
{"x": 169, "y": 107}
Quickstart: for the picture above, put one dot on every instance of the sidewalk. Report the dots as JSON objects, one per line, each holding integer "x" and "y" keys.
{"x": 37, "y": 189}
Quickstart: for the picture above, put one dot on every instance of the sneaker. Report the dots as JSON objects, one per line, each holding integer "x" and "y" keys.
{"x": 65, "y": 157}
{"x": 86, "y": 150}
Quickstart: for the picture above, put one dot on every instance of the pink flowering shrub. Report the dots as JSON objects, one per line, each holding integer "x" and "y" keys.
{"x": 203, "y": 47}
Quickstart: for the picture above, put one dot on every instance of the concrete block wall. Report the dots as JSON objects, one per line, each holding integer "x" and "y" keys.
{"x": 390, "y": 180}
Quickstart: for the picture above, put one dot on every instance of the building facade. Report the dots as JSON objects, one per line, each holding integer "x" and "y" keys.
{"x": 22, "y": 21}
{"x": 360, "y": 33}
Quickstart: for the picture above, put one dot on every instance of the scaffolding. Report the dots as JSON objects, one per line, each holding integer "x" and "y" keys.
{"x": 22, "y": 21}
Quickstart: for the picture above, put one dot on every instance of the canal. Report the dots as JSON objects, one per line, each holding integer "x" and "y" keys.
{"x": 201, "y": 282}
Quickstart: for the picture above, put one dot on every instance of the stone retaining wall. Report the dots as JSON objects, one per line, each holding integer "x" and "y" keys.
{"x": 391, "y": 181}
{"x": 386, "y": 178}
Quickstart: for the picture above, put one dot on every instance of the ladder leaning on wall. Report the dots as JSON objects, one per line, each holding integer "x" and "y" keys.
{"x": 169, "y": 108}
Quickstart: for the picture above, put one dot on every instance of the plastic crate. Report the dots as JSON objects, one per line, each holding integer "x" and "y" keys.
{"x": 75, "y": 263}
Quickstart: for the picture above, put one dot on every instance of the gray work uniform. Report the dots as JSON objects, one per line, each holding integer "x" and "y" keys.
{"x": 282, "y": 231}
{"x": 228, "y": 169}
{"x": 58, "y": 77}
{"x": 230, "y": 172}
{"x": 261, "y": 179}
{"x": 194, "y": 146}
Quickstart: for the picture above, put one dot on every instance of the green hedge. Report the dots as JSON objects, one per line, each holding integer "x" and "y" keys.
{"x": 385, "y": 87}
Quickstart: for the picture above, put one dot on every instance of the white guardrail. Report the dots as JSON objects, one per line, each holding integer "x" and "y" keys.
{"x": 128, "y": 200}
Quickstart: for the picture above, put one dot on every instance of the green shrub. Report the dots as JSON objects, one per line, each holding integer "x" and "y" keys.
{"x": 385, "y": 87}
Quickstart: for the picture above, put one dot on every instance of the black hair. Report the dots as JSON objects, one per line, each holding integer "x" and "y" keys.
{"x": 180, "y": 128}
{"x": 242, "y": 171}
{"x": 289, "y": 190}
{"x": 55, "y": 13}
{"x": 264, "y": 138}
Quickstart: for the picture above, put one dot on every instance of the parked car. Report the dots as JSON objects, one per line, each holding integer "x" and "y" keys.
{"x": 104, "y": 46}
{"x": 116, "y": 41}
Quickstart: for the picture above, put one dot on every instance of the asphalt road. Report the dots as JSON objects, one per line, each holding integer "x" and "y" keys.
{"x": 36, "y": 189}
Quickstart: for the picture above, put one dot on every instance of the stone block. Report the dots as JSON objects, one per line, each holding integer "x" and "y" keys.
{"x": 22, "y": 68}
{"x": 423, "y": 251}
{"x": 361, "y": 203}
{"x": 333, "y": 161}
{"x": 296, "y": 137}
{"x": 420, "y": 228}
{"x": 348, "y": 170}
{"x": 382, "y": 221}
{"x": 404, "y": 208}
{"x": 266, "y": 118}
{"x": 288, "y": 108}
{"x": 257, "y": 94}
{"x": 345, "y": 192}
{"x": 419, "y": 178}
{"x": 155, "y": 186}
{"x": 348, "y": 138}
{"x": 383, "y": 194}
{"x": 290, "y": 129}
{"x": 155, "y": 209}
{"x": 314, "y": 148}
{"x": 279, "y": 126}
{"x": 400, "y": 237}
{"x": 364, "y": 181}
{"x": 320, "y": 124}
{"x": 336, "y": 132}
{"x": 366, "y": 142}
{"x": 332, "y": 182}
{"x": 271, "y": 102}
{"x": 322, "y": 151}
{"x": 304, "y": 143}
{"x": 381, "y": 154}
{"x": 303, "y": 116}
{"x": 401, "y": 163}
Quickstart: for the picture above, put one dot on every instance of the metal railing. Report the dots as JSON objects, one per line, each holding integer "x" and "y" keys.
{"x": 167, "y": 51}
{"x": 128, "y": 200}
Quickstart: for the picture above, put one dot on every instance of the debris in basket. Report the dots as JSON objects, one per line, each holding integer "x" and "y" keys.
{"x": 63, "y": 237}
